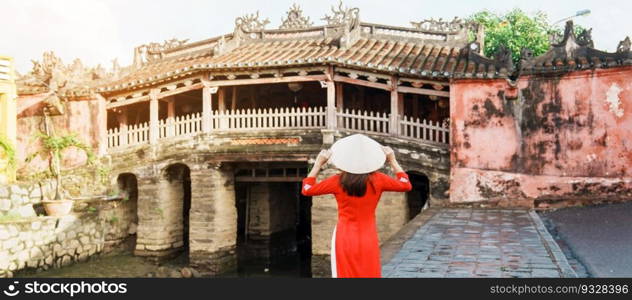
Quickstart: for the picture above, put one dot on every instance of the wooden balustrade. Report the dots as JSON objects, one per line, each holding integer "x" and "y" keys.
{"x": 272, "y": 118}
{"x": 425, "y": 130}
{"x": 363, "y": 121}
{"x": 278, "y": 119}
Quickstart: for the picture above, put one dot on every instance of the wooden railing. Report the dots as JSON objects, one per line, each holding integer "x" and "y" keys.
{"x": 280, "y": 119}
{"x": 262, "y": 119}
{"x": 180, "y": 126}
{"x": 424, "y": 130}
{"x": 363, "y": 121}
{"x": 132, "y": 135}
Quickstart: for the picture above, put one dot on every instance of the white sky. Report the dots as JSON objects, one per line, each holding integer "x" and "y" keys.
{"x": 97, "y": 31}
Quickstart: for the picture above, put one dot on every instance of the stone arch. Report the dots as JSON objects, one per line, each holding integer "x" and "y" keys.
{"x": 419, "y": 196}
{"x": 124, "y": 215}
{"x": 175, "y": 195}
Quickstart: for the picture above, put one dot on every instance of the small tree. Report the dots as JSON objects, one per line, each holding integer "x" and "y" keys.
{"x": 53, "y": 146}
{"x": 517, "y": 30}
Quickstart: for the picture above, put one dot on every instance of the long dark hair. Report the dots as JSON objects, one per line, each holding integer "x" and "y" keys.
{"x": 354, "y": 184}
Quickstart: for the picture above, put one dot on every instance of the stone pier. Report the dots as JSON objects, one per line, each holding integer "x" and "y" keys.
{"x": 160, "y": 213}
{"x": 213, "y": 231}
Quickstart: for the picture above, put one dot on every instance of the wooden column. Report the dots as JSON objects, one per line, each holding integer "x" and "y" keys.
{"x": 415, "y": 106}
{"x": 394, "y": 120}
{"x": 171, "y": 114}
{"x": 153, "y": 116}
{"x": 233, "y": 102}
{"x": 331, "y": 105}
{"x": 221, "y": 99}
{"x": 339, "y": 101}
{"x": 400, "y": 104}
{"x": 122, "y": 120}
{"x": 207, "y": 108}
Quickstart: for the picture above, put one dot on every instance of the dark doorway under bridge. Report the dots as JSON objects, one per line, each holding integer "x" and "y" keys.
{"x": 273, "y": 221}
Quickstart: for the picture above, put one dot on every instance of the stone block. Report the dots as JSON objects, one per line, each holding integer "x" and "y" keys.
{"x": 85, "y": 240}
{"x": 36, "y": 253}
{"x": 16, "y": 199}
{"x": 35, "y": 194}
{"x": 13, "y": 230}
{"x": 36, "y": 225}
{"x": 4, "y": 233}
{"x": 24, "y": 211}
{"x": 9, "y": 244}
{"x": 4, "y": 192}
{"x": 5, "y": 204}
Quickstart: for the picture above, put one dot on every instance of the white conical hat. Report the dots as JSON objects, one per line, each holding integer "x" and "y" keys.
{"x": 357, "y": 154}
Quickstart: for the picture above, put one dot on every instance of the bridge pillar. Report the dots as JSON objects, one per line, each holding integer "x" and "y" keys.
{"x": 159, "y": 232}
{"x": 213, "y": 215}
{"x": 391, "y": 214}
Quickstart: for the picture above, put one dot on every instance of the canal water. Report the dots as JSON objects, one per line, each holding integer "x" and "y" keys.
{"x": 125, "y": 264}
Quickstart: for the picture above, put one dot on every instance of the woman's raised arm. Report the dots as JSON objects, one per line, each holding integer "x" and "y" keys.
{"x": 327, "y": 186}
{"x": 402, "y": 183}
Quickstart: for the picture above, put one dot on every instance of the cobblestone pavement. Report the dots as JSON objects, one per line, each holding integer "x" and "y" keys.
{"x": 480, "y": 243}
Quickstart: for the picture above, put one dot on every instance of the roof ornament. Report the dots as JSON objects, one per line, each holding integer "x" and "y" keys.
{"x": 585, "y": 38}
{"x": 580, "y": 50}
{"x": 440, "y": 25}
{"x": 50, "y": 74}
{"x": 250, "y": 22}
{"x": 624, "y": 46}
{"x": 155, "y": 51}
{"x": 341, "y": 16}
{"x": 295, "y": 19}
{"x": 501, "y": 60}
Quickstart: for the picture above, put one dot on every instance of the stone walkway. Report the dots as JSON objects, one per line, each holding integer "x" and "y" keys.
{"x": 480, "y": 243}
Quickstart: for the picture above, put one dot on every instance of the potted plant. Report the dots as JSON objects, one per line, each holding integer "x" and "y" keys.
{"x": 52, "y": 147}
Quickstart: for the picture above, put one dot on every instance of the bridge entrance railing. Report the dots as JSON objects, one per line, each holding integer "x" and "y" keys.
{"x": 368, "y": 122}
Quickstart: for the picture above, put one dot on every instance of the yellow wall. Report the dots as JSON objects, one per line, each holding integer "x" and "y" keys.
{"x": 7, "y": 112}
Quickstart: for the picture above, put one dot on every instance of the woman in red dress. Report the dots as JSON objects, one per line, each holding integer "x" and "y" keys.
{"x": 355, "y": 248}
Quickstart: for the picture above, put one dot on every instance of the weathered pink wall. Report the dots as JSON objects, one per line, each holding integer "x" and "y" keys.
{"x": 549, "y": 139}
{"x": 81, "y": 117}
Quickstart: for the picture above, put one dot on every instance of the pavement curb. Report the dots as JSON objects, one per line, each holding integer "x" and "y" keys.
{"x": 553, "y": 248}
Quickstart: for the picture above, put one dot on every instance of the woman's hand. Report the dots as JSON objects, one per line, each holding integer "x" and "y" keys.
{"x": 323, "y": 157}
{"x": 321, "y": 160}
{"x": 390, "y": 154}
{"x": 390, "y": 158}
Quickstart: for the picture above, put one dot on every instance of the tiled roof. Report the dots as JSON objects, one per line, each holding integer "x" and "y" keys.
{"x": 392, "y": 56}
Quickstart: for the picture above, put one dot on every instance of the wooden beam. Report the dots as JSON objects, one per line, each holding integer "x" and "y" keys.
{"x": 420, "y": 91}
{"x": 270, "y": 80}
{"x": 127, "y": 102}
{"x": 375, "y": 85}
{"x": 181, "y": 90}
{"x": 424, "y": 81}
